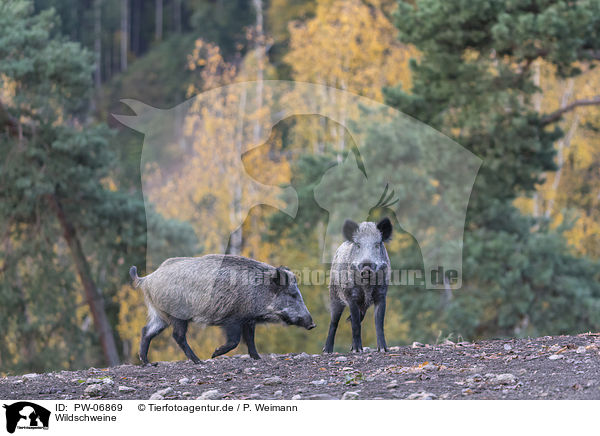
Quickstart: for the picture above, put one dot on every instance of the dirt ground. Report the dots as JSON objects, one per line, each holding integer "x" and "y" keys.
{"x": 559, "y": 367}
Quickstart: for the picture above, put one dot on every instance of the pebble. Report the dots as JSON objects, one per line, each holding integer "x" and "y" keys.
{"x": 186, "y": 394}
{"x": 156, "y": 396}
{"x": 392, "y": 385}
{"x": 350, "y": 395}
{"x": 581, "y": 350}
{"x": 213, "y": 394}
{"x": 341, "y": 359}
{"x": 245, "y": 356}
{"x": 162, "y": 393}
{"x": 301, "y": 356}
{"x": 278, "y": 393}
{"x": 322, "y": 397}
{"x": 556, "y": 356}
{"x": 95, "y": 390}
{"x": 271, "y": 381}
{"x": 318, "y": 382}
{"x": 126, "y": 389}
{"x": 475, "y": 378}
{"x": 504, "y": 379}
{"x": 507, "y": 347}
{"x": 91, "y": 381}
{"x": 417, "y": 345}
{"x": 421, "y": 396}
{"x": 30, "y": 376}
{"x": 184, "y": 381}
{"x": 297, "y": 397}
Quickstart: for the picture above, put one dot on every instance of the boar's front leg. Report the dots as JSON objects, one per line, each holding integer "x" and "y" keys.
{"x": 248, "y": 335}
{"x": 179, "y": 334}
{"x": 379, "y": 300}
{"x": 233, "y": 332}
{"x": 337, "y": 308}
{"x": 355, "y": 318}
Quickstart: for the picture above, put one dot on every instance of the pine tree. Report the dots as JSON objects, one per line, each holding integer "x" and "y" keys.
{"x": 474, "y": 82}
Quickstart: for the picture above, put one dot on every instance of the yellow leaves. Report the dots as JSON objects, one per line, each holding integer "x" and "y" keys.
{"x": 7, "y": 89}
{"x": 109, "y": 183}
{"x": 572, "y": 190}
{"x": 350, "y": 46}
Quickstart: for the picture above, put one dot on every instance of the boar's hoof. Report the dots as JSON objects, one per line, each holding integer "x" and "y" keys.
{"x": 357, "y": 350}
{"x": 385, "y": 349}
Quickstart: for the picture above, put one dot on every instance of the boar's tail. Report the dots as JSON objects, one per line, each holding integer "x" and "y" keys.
{"x": 136, "y": 280}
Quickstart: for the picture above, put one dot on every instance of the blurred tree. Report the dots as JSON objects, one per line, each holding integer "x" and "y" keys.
{"x": 57, "y": 194}
{"x": 568, "y": 196}
{"x": 474, "y": 82}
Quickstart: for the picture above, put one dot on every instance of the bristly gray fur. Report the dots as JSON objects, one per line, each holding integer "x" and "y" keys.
{"x": 223, "y": 290}
{"x": 360, "y": 273}
{"x": 366, "y": 245}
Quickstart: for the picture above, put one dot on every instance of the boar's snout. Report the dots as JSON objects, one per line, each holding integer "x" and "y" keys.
{"x": 308, "y": 323}
{"x": 367, "y": 266}
{"x": 305, "y": 321}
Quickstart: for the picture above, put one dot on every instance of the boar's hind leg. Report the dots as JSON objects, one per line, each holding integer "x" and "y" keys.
{"x": 248, "y": 335}
{"x": 337, "y": 308}
{"x": 233, "y": 332}
{"x": 179, "y": 332}
{"x": 150, "y": 330}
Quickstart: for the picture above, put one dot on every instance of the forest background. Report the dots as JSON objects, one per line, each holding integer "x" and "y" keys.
{"x": 512, "y": 81}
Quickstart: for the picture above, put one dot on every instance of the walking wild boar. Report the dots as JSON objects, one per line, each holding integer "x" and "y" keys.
{"x": 359, "y": 277}
{"x": 233, "y": 292}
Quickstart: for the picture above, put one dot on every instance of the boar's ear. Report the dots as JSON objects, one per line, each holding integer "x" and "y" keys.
{"x": 348, "y": 229}
{"x": 385, "y": 227}
{"x": 280, "y": 278}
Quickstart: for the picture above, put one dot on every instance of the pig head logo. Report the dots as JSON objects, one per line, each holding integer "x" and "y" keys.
{"x": 24, "y": 414}
{"x": 193, "y": 164}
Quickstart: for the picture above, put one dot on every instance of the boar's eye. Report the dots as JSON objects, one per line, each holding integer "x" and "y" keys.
{"x": 357, "y": 245}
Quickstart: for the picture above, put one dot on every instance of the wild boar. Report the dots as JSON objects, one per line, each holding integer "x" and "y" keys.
{"x": 360, "y": 274}
{"x": 233, "y": 292}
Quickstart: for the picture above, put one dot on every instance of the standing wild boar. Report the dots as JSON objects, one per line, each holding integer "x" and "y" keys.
{"x": 233, "y": 292}
{"x": 359, "y": 277}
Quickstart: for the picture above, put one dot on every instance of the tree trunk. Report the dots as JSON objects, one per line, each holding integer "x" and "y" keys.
{"x": 158, "y": 20}
{"x": 93, "y": 297}
{"x": 136, "y": 17}
{"x": 562, "y": 144}
{"x": 98, "y": 43}
{"x": 177, "y": 16}
{"x": 124, "y": 33}
{"x": 236, "y": 241}
{"x": 260, "y": 50}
